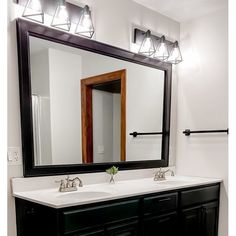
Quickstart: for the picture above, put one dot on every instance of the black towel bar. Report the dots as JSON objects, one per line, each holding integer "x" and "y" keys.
{"x": 187, "y": 132}
{"x": 135, "y": 134}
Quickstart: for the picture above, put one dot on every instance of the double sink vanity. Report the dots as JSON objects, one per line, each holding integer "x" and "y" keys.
{"x": 179, "y": 205}
{"x": 87, "y": 106}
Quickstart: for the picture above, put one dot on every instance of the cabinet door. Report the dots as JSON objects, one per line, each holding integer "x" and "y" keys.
{"x": 210, "y": 219}
{"x": 165, "y": 225}
{"x": 124, "y": 229}
{"x": 191, "y": 222}
{"x": 34, "y": 219}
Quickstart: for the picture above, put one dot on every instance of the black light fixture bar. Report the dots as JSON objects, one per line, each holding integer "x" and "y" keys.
{"x": 135, "y": 134}
{"x": 187, "y": 132}
{"x": 49, "y": 7}
{"x": 140, "y": 34}
{"x": 164, "y": 50}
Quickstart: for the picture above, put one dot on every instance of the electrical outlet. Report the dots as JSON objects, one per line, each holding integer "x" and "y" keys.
{"x": 14, "y": 156}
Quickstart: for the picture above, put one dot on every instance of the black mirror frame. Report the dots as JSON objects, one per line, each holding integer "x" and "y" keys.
{"x": 27, "y": 28}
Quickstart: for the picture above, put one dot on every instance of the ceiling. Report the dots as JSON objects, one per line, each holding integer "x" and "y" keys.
{"x": 184, "y": 10}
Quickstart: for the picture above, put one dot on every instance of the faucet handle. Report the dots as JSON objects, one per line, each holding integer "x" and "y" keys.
{"x": 62, "y": 184}
{"x": 157, "y": 171}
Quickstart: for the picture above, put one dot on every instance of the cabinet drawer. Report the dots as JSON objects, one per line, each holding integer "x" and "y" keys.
{"x": 124, "y": 229}
{"x": 159, "y": 204}
{"x": 80, "y": 219}
{"x": 200, "y": 195}
{"x": 161, "y": 225}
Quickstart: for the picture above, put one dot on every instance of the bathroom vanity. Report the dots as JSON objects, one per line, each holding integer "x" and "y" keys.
{"x": 178, "y": 206}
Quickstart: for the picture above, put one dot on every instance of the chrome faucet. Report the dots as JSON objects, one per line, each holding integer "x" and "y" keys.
{"x": 160, "y": 175}
{"x": 69, "y": 185}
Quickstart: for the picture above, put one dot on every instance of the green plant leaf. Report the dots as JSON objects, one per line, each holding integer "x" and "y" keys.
{"x": 112, "y": 171}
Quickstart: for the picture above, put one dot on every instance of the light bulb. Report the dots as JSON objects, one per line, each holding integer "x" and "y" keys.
{"x": 87, "y": 21}
{"x": 147, "y": 46}
{"x": 85, "y": 25}
{"x": 36, "y": 5}
{"x": 162, "y": 52}
{"x": 63, "y": 14}
{"x": 175, "y": 55}
{"x": 33, "y": 10}
{"x": 162, "y": 48}
{"x": 61, "y": 17}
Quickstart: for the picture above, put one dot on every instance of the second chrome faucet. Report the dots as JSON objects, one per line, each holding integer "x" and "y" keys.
{"x": 69, "y": 185}
{"x": 160, "y": 175}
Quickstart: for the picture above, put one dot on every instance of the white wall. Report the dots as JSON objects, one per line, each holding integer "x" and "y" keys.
{"x": 65, "y": 72}
{"x": 40, "y": 86}
{"x": 113, "y": 22}
{"x": 102, "y": 126}
{"x": 56, "y": 75}
{"x": 106, "y": 126}
{"x": 203, "y": 102}
{"x": 116, "y": 126}
{"x": 39, "y": 63}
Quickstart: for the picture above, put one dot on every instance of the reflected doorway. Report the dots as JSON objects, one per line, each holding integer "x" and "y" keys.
{"x": 103, "y": 99}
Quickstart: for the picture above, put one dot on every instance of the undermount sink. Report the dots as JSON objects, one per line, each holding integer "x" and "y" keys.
{"x": 84, "y": 195}
{"x": 173, "y": 181}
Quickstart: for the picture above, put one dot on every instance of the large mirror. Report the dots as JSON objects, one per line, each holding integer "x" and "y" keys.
{"x": 89, "y": 108}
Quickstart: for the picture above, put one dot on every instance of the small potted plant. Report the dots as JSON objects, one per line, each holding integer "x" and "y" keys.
{"x": 112, "y": 171}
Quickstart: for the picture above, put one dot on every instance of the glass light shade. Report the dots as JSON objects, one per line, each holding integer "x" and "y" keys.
{"x": 175, "y": 54}
{"x": 161, "y": 52}
{"x": 147, "y": 47}
{"x": 85, "y": 26}
{"x": 61, "y": 18}
{"x": 33, "y": 10}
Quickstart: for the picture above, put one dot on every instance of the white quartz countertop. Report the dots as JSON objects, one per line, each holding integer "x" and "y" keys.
{"x": 93, "y": 193}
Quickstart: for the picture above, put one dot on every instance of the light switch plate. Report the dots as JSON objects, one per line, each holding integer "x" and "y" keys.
{"x": 14, "y": 156}
{"x": 100, "y": 149}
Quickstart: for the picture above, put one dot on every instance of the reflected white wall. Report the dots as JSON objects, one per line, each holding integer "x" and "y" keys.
{"x": 103, "y": 126}
{"x": 65, "y": 74}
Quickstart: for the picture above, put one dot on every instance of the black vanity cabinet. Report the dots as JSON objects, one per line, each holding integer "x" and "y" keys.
{"x": 119, "y": 218}
{"x": 160, "y": 215}
{"x": 199, "y": 214}
{"x": 184, "y": 212}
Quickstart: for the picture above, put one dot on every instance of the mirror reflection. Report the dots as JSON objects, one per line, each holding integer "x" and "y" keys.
{"x": 85, "y": 105}
{"x": 106, "y": 107}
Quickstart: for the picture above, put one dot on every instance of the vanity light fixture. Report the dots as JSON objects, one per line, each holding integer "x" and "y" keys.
{"x": 162, "y": 52}
{"x": 147, "y": 47}
{"x": 61, "y": 18}
{"x": 85, "y": 25}
{"x": 175, "y": 54}
{"x": 33, "y": 10}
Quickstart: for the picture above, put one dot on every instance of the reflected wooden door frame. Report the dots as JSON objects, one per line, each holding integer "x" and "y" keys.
{"x": 87, "y": 115}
